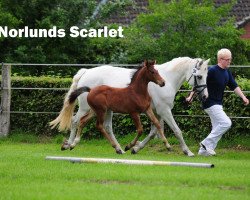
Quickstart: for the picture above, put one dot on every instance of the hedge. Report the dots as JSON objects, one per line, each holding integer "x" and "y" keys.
{"x": 52, "y": 100}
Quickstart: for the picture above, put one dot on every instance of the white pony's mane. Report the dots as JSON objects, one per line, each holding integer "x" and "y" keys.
{"x": 178, "y": 62}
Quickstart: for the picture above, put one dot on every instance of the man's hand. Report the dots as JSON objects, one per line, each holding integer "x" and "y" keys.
{"x": 245, "y": 100}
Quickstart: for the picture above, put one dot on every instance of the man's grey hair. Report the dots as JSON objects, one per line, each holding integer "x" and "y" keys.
{"x": 224, "y": 52}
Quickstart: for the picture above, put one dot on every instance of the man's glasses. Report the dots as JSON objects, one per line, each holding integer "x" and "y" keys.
{"x": 229, "y": 59}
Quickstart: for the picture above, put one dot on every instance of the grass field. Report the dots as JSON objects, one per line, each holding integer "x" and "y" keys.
{"x": 25, "y": 174}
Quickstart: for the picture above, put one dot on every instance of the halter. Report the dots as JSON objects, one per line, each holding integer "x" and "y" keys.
{"x": 196, "y": 85}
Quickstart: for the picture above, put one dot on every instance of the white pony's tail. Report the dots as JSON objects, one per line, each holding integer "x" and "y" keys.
{"x": 64, "y": 118}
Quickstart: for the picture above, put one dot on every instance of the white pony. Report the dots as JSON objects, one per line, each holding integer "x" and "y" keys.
{"x": 175, "y": 73}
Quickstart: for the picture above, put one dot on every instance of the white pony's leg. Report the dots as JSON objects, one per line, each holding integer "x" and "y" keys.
{"x": 74, "y": 128}
{"x": 83, "y": 109}
{"x": 109, "y": 129}
{"x": 169, "y": 119}
{"x": 83, "y": 120}
{"x": 76, "y": 139}
{"x": 75, "y": 122}
{"x": 66, "y": 144}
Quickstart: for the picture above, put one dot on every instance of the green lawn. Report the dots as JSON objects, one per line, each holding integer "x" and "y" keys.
{"x": 25, "y": 174}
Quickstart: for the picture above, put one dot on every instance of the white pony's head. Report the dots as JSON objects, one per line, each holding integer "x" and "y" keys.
{"x": 197, "y": 78}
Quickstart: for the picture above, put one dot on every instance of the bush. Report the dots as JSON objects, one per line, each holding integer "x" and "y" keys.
{"x": 51, "y": 101}
{"x": 39, "y": 100}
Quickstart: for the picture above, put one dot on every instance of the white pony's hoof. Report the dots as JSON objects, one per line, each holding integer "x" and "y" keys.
{"x": 120, "y": 151}
{"x": 135, "y": 149}
{"x": 189, "y": 153}
{"x": 169, "y": 147}
{"x": 123, "y": 152}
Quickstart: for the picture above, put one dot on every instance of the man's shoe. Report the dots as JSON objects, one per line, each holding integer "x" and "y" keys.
{"x": 203, "y": 152}
{"x": 209, "y": 151}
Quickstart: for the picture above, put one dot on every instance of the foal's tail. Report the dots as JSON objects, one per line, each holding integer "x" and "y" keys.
{"x": 76, "y": 93}
{"x": 64, "y": 118}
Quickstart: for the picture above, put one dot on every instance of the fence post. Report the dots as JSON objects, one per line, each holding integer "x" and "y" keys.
{"x": 5, "y": 100}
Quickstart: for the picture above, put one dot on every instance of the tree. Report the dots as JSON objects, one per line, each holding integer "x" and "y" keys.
{"x": 42, "y": 14}
{"x": 184, "y": 28}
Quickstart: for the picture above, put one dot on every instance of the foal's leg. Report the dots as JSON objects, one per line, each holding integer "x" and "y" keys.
{"x": 109, "y": 129}
{"x": 150, "y": 136}
{"x": 139, "y": 129}
{"x": 155, "y": 121}
{"x": 83, "y": 121}
{"x": 100, "y": 127}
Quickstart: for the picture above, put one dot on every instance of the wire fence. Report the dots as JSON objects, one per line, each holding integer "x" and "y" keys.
{"x": 96, "y": 65}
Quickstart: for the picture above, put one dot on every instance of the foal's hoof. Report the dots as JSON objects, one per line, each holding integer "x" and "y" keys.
{"x": 127, "y": 148}
{"x": 71, "y": 148}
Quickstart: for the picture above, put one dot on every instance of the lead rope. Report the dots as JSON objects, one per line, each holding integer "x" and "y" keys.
{"x": 195, "y": 92}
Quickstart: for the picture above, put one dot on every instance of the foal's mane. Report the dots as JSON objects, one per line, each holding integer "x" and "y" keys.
{"x": 135, "y": 73}
{"x": 146, "y": 63}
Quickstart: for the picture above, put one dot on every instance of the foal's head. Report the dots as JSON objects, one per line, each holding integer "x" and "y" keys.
{"x": 152, "y": 74}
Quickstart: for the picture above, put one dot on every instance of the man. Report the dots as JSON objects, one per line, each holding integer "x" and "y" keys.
{"x": 218, "y": 78}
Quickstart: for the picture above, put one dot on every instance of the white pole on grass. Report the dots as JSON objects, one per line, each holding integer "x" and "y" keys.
{"x": 130, "y": 162}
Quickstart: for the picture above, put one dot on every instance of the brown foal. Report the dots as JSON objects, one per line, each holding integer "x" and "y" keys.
{"x": 131, "y": 100}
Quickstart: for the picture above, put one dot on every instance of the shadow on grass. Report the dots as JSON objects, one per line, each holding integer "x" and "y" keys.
{"x": 238, "y": 143}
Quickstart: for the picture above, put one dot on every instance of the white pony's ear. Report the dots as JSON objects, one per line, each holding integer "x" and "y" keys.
{"x": 207, "y": 61}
